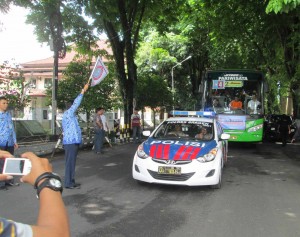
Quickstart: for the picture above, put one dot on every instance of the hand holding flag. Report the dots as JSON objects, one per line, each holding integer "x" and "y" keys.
{"x": 99, "y": 72}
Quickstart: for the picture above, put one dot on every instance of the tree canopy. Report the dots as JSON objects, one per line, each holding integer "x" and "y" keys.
{"x": 149, "y": 37}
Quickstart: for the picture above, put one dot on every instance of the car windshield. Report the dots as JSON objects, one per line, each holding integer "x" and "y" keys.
{"x": 189, "y": 130}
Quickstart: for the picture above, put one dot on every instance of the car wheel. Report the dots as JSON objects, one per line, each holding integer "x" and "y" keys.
{"x": 219, "y": 184}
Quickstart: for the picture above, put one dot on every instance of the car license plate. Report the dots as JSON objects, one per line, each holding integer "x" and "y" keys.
{"x": 169, "y": 170}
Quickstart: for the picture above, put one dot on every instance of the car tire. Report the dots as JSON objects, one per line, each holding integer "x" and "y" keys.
{"x": 219, "y": 184}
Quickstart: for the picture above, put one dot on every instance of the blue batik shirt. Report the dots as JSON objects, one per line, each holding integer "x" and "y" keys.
{"x": 7, "y": 131}
{"x": 70, "y": 125}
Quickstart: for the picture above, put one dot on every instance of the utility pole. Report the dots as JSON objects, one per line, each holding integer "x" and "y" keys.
{"x": 54, "y": 85}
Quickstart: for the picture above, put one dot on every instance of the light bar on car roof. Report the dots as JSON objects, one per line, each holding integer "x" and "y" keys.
{"x": 193, "y": 113}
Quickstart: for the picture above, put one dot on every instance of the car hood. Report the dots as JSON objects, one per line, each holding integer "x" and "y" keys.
{"x": 177, "y": 149}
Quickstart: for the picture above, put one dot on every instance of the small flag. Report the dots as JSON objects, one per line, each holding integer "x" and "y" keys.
{"x": 99, "y": 72}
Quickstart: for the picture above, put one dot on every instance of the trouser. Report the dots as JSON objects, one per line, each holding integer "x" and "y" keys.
{"x": 284, "y": 137}
{"x": 98, "y": 140}
{"x": 136, "y": 131}
{"x": 11, "y": 150}
{"x": 71, "y": 151}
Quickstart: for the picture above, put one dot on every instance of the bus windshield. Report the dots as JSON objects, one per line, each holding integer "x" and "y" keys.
{"x": 234, "y": 92}
{"x": 236, "y": 97}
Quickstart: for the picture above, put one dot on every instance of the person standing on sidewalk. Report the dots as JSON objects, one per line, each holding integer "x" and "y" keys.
{"x": 136, "y": 125}
{"x": 8, "y": 140}
{"x": 72, "y": 139}
{"x": 105, "y": 127}
{"x": 99, "y": 131}
{"x": 284, "y": 128}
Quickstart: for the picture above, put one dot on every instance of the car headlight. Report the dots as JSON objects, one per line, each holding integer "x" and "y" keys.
{"x": 208, "y": 156}
{"x": 255, "y": 128}
{"x": 140, "y": 152}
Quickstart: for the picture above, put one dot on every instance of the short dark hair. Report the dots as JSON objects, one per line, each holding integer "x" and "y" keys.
{"x": 98, "y": 109}
{"x": 3, "y": 98}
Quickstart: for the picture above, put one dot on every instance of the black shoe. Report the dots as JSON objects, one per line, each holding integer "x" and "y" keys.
{"x": 76, "y": 185}
{"x": 12, "y": 184}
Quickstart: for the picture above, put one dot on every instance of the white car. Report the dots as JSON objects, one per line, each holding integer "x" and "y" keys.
{"x": 177, "y": 154}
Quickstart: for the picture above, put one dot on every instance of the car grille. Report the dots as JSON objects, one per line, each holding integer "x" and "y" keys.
{"x": 174, "y": 162}
{"x": 182, "y": 177}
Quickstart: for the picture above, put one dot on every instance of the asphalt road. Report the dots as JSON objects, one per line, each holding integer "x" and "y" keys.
{"x": 259, "y": 197}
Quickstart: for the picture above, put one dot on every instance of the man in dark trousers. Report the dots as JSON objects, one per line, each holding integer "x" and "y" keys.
{"x": 284, "y": 128}
{"x": 71, "y": 140}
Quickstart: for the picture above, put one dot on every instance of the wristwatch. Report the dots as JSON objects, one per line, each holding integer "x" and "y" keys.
{"x": 53, "y": 183}
{"x": 44, "y": 176}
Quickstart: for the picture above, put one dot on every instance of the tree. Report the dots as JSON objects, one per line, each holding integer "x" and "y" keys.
{"x": 15, "y": 89}
{"x": 263, "y": 41}
{"x": 157, "y": 98}
{"x": 75, "y": 77}
{"x": 283, "y": 6}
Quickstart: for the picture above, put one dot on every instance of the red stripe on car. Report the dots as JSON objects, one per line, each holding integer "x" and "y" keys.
{"x": 179, "y": 152}
{"x": 166, "y": 152}
{"x": 152, "y": 150}
{"x": 195, "y": 153}
{"x": 159, "y": 151}
{"x": 187, "y": 153}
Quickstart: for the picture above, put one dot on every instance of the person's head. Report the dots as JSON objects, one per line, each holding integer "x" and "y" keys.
{"x": 236, "y": 98}
{"x": 135, "y": 111}
{"x": 254, "y": 97}
{"x": 69, "y": 103}
{"x": 203, "y": 130}
{"x": 100, "y": 110}
{"x": 3, "y": 104}
{"x": 178, "y": 127}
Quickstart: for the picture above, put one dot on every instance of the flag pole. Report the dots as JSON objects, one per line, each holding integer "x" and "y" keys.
{"x": 93, "y": 70}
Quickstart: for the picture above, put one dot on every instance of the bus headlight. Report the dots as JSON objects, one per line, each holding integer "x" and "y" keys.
{"x": 255, "y": 128}
{"x": 209, "y": 156}
{"x": 140, "y": 152}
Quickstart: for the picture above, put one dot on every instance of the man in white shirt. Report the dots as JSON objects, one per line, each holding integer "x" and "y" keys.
{"x": 104, "y": 121}
{"x": 253, "y": 105}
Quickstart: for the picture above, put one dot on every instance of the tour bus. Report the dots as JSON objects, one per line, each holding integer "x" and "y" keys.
{"x": 220, "y": 87}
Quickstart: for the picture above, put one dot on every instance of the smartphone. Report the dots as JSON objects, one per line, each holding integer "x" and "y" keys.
{"x": 16, "y": 166}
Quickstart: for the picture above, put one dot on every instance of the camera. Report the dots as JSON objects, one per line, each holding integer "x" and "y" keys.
{"x": 17, "y": 166}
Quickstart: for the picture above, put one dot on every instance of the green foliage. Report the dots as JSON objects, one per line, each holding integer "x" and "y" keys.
{"x": 150, "y": 37}
{"x": 153, "y": 92}
{"x": 15, "y": 88}
{"x": 282, "y": 6}
{"x": 155, "y": 58}
{"x": 75, "y": 77}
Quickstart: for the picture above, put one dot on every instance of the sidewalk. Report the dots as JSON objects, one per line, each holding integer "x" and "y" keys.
{"x": 39, "y": 149}
{"x": 46, "y": 148}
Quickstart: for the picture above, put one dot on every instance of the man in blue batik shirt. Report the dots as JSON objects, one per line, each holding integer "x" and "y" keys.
{"x": 8, "y": 141}
{"x": 72, "y": 140}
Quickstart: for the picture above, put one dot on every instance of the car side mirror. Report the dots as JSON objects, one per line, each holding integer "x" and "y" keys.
{"x": 225, "y": 136}
{"x": 146, "y": 133}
